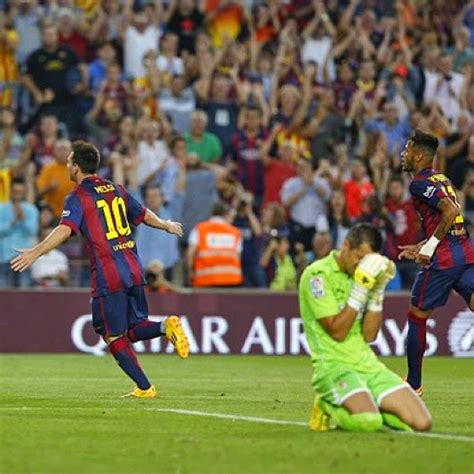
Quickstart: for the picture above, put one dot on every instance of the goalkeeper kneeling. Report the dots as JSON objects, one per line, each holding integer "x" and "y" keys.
{"x": 340, "y": 300}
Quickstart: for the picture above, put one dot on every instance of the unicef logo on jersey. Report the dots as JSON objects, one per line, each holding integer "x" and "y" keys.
{"x": 461, "y": 334}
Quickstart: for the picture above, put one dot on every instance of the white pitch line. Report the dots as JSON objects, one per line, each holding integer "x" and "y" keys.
{"x": 271, "y": 421}
{"x": 227, "y": 416}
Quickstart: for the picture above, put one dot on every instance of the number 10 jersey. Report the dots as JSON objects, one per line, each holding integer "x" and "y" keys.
{"x": 103, "y": 213}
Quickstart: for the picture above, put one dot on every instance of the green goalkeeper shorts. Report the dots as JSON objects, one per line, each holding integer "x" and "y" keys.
{"x": 337, "y": 383}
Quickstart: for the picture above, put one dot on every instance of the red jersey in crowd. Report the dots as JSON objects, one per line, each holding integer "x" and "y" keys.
{"x": 356, "y": 193}
{"x": 405, "y": 222}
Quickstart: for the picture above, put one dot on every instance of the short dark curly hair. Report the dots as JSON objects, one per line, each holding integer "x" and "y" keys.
{"x": 86, "y": 156}
{"x": 365, "y": 233}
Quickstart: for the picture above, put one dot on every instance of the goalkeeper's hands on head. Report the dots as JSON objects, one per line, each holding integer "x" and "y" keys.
{"x": 366, "y": 277}
{"x": 376, "y": 295}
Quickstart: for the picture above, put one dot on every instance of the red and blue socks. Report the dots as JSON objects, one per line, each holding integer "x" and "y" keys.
{"x": 126, "y": 358}
{"x": 416, "y": 345}
{"x": 146, "y": 330}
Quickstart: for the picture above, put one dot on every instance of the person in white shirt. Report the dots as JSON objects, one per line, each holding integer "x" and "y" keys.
{"x": 444, "y": 87}
{"x": 141, "y": 34}
{"x": 153, "y": 153}
{"x": 168, "y": 62}
{"x": 318, "y": 35}
{"x": 306, "y": 197}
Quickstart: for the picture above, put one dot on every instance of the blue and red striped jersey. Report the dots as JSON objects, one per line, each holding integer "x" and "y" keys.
{"x": 427, "y": 188}
{"x": 246, "y": 154}
{"x": 103, "y": 213}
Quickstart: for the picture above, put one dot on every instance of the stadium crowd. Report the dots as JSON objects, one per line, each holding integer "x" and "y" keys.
{"x": 284, "y": 119}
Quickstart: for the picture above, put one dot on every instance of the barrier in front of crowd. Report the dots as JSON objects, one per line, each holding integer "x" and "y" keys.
{"x": 216, "y": 322}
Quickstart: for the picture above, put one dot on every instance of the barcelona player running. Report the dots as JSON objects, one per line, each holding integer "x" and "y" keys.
{"x": 103, "y": 213}
{"x": 447, "y": 254}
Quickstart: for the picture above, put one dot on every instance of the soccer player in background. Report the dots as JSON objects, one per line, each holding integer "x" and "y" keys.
{"x": 447, "y": 254}
{"x": 103, "y": 213}
{"x": 341, "y": 298}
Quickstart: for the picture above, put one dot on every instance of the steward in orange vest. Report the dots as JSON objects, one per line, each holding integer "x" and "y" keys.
{"x": 214, "y": 251}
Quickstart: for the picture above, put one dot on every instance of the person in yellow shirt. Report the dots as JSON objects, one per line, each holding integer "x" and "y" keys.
{"x": 53, "y": 182}
{"x": 9, "y": 40}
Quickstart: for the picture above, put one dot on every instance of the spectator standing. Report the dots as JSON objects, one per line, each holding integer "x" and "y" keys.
{"x": 406, "y": 226}
{"x": 178, "y": 102}
{"x": 306, "y": 196}
{"x": 27, "y": 21}
{"x": 337, "y": 222}
{"x": 243, "y": 217}
{"x": 246, "y": 153}
{"x": 444, "y": 87}
{"x": 216, "y": 97}
{"x": 41, "y": 141}
{"x": 18, "y": 229}
{"x": 185, "y": 20}
{"x": 97, "y": 69}
{"x": 53, "y": 182}
{"x": 205, "y": 144}
{"x": 168, "y": 62}
{"x": 215, "y": 246}
{"x": 141, "y": 34}
{"x": 278, "y": 263}
{"x": 9, "y": 75}
{"x": 152, "y": 153}
{"x": 200, "y": 193}
{"x": 276, "y": 170}
{"x": 357, "y": 189}
{"x": 165, "y": 246}
{"x": 109, "y": 107}
{"x": 48, "y": 71}
{"x": 71, "y": 32}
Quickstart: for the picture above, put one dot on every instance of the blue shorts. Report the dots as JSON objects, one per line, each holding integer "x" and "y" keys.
{"x": 114, "y": 314}
{"x": 431, "y": 288}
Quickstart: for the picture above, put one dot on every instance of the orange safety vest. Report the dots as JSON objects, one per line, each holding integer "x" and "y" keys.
{"x": 217, "y": 260}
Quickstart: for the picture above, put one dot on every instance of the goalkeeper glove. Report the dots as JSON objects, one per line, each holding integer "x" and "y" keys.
{"x": 376, "y": 296}
{"x": 365, "y": 278}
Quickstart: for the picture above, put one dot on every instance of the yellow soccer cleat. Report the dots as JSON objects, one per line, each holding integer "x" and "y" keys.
{"x": 319, "y": 420}
{"x": 175, "y": 334}
{"x": 139, "y": 393}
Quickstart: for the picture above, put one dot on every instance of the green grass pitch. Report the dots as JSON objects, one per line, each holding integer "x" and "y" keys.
{"x": 64, "y": 414}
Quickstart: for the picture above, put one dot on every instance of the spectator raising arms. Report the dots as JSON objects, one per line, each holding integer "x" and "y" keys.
{"x": 302, "y": 104}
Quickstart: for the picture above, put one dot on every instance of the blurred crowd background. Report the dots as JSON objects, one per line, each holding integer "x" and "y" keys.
{"x": 284, "y": 118}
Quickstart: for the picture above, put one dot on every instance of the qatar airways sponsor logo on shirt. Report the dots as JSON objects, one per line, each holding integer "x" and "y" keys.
{"x": 217, "y": 334}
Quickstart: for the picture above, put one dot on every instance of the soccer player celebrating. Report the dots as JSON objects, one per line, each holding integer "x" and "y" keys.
{"x": 103, "y": 213}
{"x": 447, "y": 255}
{"x": 341, "y": 298}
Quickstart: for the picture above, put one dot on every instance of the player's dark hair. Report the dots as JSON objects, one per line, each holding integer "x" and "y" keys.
{"x": 86, "y": 156}
{"x": 220, "y": 209}
{"x": 364, "y": 233}
{"x": 425, "y": 142}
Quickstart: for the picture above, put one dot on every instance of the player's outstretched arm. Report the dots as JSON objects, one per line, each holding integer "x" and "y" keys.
{"x": 152, "y": 220}
{"x": 27, "y": 257}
